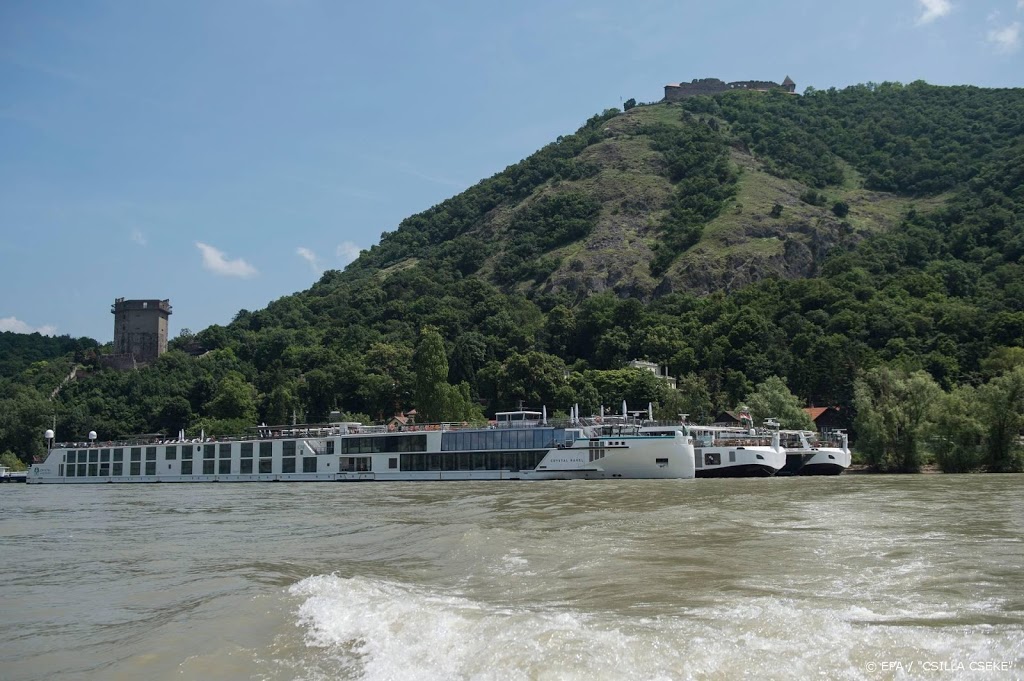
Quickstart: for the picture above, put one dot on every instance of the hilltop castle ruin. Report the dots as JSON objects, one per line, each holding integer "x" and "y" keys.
{"x": 712, "y": 86}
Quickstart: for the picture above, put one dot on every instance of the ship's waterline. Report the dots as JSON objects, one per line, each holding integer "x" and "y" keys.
{"x": 838, "y": 577}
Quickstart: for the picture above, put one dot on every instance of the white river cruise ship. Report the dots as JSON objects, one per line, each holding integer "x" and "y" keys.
{"x": 520, "y": 445}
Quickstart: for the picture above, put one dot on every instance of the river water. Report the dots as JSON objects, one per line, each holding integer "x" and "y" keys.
{"x": 843, "y": 577}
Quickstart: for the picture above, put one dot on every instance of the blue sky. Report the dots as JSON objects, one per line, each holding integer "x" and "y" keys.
{"x": 223, "y": 153}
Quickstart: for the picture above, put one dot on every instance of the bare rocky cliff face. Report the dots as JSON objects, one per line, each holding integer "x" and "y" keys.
{"x": 744, "y": 244}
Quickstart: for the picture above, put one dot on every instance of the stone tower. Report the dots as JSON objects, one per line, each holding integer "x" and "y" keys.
{"x": 140, "y": 328}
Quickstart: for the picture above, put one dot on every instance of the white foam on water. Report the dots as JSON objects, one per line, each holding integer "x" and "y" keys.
{"x": 377, "y": 629}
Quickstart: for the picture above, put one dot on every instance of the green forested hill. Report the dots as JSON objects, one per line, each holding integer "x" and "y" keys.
{"x": 20, "y": 350}
{"x": 826, "y": 239}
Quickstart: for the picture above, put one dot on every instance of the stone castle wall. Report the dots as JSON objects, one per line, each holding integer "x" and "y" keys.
{"x": 713, "y": 86}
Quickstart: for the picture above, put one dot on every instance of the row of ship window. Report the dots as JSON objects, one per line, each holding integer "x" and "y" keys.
{"x": 310, "y": 464}
{"x": 477, "y": 440}
{"x": 223, "y": 450}
{"x": 207, "y": 451}
{"x": 536, "y": 438}
{"x": 473, "y": 461}
{"x": 438, "y": 461}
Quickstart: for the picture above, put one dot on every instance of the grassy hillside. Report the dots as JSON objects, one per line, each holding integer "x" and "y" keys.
{"x": 880, "y": 150}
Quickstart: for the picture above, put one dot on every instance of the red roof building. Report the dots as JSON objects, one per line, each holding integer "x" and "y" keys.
{"x": 826, "y": 418}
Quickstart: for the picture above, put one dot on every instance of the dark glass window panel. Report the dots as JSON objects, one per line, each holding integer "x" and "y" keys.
{"x": 508, "y": 461}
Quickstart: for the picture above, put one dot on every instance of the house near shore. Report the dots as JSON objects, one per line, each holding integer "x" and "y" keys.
{"x": 826, "y": 418}
{"x": 402, "y": 420}
{"x": 732, "y": 419}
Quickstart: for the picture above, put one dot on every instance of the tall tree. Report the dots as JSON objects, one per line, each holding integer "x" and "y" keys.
{"x": 957, "y": 434}
{"x": 436, "y": 399}
{"x": 431, "y": 392}
{"x": 772, "y": 399}
{"x": 1002, "y": 402}
{"x": 893, "y": 408}
{"x": 235, "y": 399}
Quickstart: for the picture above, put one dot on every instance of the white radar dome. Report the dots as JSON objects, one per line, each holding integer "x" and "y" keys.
{"x": 48, "y": 434}
{"x": 92, "y": 434}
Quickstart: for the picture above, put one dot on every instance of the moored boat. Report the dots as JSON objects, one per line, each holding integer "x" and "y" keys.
{"x": 519, "y": 445}
{"x": 728, "y": 452}
{"x": 811, "y": 453}
{"x": 8, "y": 475}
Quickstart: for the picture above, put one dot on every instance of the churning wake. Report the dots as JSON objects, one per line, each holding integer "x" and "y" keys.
{"x": 374, "y": 629}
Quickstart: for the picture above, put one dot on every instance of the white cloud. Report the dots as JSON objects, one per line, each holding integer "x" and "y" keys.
{"x": 1006, "y": 39}
{"x": 348, "y": 251}
{"x": 215, "y": 261}
{"x": 933, "y": 9}
{"x": 138, "y": 237}
{"x": 310, "y": 257}
{"x": 17, "y": 326}
{"x": 1020, "y": 4}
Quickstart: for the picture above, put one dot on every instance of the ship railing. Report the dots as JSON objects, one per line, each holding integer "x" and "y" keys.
{"x": 263, "y": 432}
{"x": 318, "y": 448}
